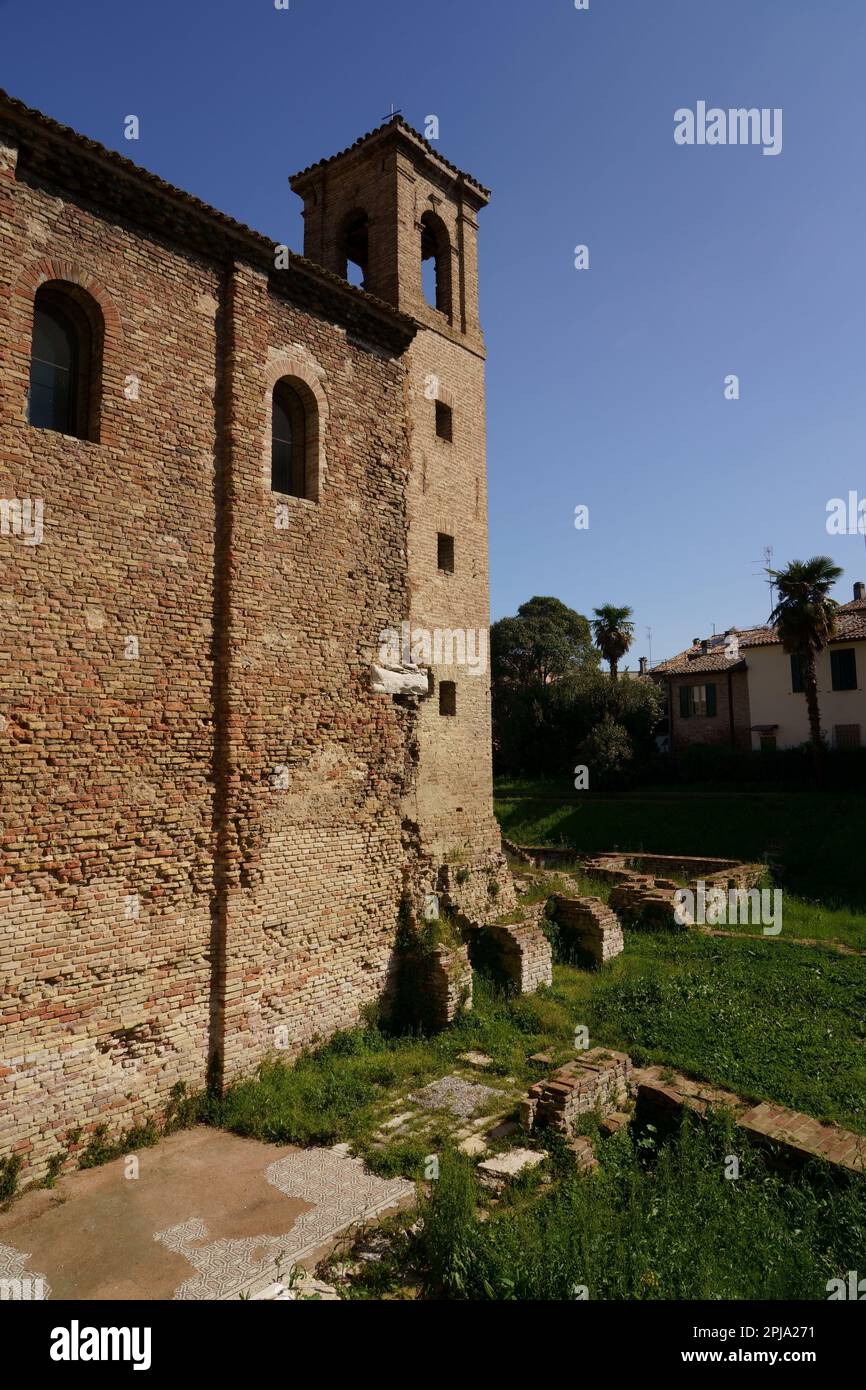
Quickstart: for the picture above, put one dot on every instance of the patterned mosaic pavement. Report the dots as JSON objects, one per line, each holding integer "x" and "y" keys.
{"x": 342, "y": 1192}
{"x": 203, "y": 1215}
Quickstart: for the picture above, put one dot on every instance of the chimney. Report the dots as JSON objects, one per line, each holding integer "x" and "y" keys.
{"x": 859, "y": 590}
{"x": 705, "y": 646}
{"x": 643, "y": 665}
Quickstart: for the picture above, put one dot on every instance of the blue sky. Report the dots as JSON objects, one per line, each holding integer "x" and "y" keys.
{"x": 606, "y": 386}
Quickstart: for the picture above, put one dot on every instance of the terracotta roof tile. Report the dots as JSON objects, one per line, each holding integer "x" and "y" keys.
{"x": 415, "y": 136}
{"x": 850, "y": 627}
{"x": 689, "y": 663}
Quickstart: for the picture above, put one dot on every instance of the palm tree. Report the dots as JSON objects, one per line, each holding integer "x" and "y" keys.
{"x": 614, "y": 633}
{"x": 805, "y": 619}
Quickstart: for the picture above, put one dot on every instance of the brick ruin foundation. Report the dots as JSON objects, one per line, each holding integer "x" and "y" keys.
{"x": 597, "y": 1080}
{"x": 519, "y": 951}
{"x": 591, "y": 925}
{"x": 643, "y": 889}
{"x": 607, "y": 1084}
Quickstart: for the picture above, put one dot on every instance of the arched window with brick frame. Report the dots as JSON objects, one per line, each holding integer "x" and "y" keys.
{"x": 436, "y": 263}
{"x": 66, "y": 361}
{"x": 294, "y": 439}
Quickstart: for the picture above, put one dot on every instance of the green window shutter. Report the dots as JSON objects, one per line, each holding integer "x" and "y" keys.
{"x": 797, "y": 674}
{"x": 711, "y": 700}
{"x": 843, "y": 669}
{"x": 685, "y": 702}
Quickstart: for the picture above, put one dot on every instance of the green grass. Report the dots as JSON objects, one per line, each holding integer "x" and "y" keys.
{"x": 767, "y": 1019}
{"x": 813, "y": 921}
{"x": 814, "y": 841}
{"x": 569, "y": 879}
{"x": 335, "y": 1093}
{"x": 629, "y": 1230}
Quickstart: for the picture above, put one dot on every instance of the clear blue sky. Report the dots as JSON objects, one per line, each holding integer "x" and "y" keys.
{"x": 605, "y": 386}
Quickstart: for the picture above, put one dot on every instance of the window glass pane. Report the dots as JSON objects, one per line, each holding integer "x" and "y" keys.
{"x": 50, "y": 390}
{"x": 53, "y": 371}
{"x": 289, "y": 441}
{"x": 281, "y": 446}
{"x": 53, "y": 337}
{"x": 281, "y": 466}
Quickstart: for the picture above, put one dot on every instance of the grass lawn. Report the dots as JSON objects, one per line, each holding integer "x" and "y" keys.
{"x": 815, "y": 922}
{"x": 768, "y": 1019}
{"x": 815, "y": 843}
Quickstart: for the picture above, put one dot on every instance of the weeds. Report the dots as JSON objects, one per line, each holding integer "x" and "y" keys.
{"x": 628, "y": 1230}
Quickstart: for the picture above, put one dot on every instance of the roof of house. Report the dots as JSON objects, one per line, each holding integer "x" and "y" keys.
{"x": 173, "y": 210}
{"x": 709, "y": 655}
{"x": 696, "y": 661}
{"x": 850, "y": 627}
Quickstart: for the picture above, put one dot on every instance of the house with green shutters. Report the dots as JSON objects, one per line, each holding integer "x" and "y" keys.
{"x": 742, "y": 690}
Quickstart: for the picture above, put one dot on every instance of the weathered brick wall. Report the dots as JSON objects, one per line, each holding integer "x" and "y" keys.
{"x": 107, "y": 760}
{"x": 207, "y": 845}
{"x": 313, "y": 906}
{"x": 394, "y": 179}
{"x": 448, "y": 494}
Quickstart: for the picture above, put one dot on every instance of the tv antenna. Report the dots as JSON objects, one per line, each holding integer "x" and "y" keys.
{"x": 768, "y": 565}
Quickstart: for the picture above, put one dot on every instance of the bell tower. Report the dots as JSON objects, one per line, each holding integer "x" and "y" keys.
{"x": 396, "y": 217}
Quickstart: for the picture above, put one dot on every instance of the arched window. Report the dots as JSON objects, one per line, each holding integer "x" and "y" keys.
{"x": 292, "y": 420}
{"x": 64, "y": 361}
{"x": 436, "y": 263}
{"x": 355, "y": 248}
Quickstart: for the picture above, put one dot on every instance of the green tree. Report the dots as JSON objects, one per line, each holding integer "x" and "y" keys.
{"x": 805, "y": 619}
{"x": 546, "y": 640}
{"x": 614, "y": 633}
{"x": 606, "y": 752}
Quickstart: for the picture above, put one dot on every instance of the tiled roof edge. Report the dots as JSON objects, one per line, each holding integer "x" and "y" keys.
{"x": 26, "y": 117}
{"x": 393, "y": 122}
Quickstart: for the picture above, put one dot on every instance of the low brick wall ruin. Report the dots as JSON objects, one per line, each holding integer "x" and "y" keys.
{"x": 641, "y": 890}
{"x": 518, "y": 951}
{"x": 429, "y": 986}
{"x": 594, "y": 927}
{"x": 788, "y": 1134}
{"x": 598, "y": 1079}
{"x": 643, "y": 899}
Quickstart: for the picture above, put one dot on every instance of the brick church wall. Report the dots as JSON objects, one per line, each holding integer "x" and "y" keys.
{"x": 207, "y": 843}
{"x": 107, "y": 823}
{"x": 313, "y": 908}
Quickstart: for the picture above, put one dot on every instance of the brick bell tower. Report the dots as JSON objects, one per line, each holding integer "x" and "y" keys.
{"x": 395, "y": 216}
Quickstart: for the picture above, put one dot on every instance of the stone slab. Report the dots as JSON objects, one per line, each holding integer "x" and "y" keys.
{"x": 508, "y": 1166}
